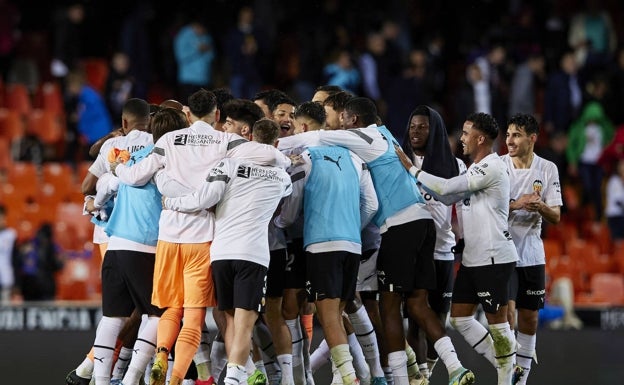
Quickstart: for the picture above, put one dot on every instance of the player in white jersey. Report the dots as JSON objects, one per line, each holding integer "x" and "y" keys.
{"x": 182, "y": 281}
{"x": 408, "y": 236}
{"x": 134, "y": 136}
{"x": 427, "y": 143}
{"x": 489, "y": 256}
{"x": 535, "y": 196}
{"x": 246, "y": 196}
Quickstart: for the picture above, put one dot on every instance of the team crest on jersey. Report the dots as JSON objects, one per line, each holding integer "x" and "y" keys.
{"x": 243, "y": 171}
{"x": 537, "y": 186}
{"x": 180, "y": 140}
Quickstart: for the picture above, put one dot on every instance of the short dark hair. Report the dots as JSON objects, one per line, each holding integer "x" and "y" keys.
{"x": 329, "y": 88}
{"x": 311, "y": 110}
{"x": 525, "y": 121}
{"x": 265, "y": 131}
{"x": 243, "y": 110}
{"x": 364, "y": 108}
{"x": 136, "y": 107}
{"x": 223, "y": 96}
{"x": 484, "y": 123}
{"x": 338, "y": 100}
{"x": 202, "y": 103}
{"x": 166, "y": 120}
{"x": 279, "y": 99}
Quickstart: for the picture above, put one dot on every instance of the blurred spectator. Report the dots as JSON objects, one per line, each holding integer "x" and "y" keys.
{"x": 473, "y": 95}
{"x": 555, "y": 151}
{"x": 589, "y": 135}
{"x": 69, "y": 28}
{"x": 119, "y": 85}
{"x": 9, "y": 35}
{"x": 88, "y": 119}
{"x": 342, "y": 72}
{"x": 28, "y": 148}
{"x": 592, "y": 36}
{"x": 244, "y": 49}
{"x": 494, "y": 72}
{"x": 529, "y": 77}
{"x": 37, "y": 262}
{"x": 564, "y": 96}
{"x": 374, "y": 69}
{"x": 617, "y": 86}
{"x": 194, "y": 52}
{"x": 614, "y": 210}
{"x": 614, "y": 151}
{"x": 411, "y": 87}
{"x": 8, "y": 238}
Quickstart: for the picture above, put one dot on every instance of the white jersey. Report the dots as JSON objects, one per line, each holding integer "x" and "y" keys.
{"x": 526, "y": 227}
{"x": 246, "y": 197}
{"x": 7, "y": 241}
{"x": 187, "y": 155}
{"x": 133, "y": 141}
{"x": 485, "y": 214}
{"x": 293, "y": 206}
{"x": 615, "y": 197}
{"x": 442, "y": 217}
{"x": 367, "y": 143}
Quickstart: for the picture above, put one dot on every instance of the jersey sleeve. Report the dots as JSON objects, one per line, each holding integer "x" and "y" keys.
{"x": 258, "y": 153}
{"x": 552, "y": 192}
{"x": 292, "y": 205}
{"x": 141, "y": 173}
{"x": 106, "y": 188}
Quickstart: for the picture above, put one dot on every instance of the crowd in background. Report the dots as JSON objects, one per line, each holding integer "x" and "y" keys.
{"x": 562, "y": 61}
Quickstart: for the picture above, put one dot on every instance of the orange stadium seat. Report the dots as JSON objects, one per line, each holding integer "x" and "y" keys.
{"x": 59, "y": 174}
{"x": 24, "y": 176}
{"x": 5, "y": 153}
{"x": 18, "y": 98}
{"x": 12, "y": 125}
{"x": 50, "y": 97}
{"x": 605, "y": 288}
{"x": 96, "y": 71}
{"x": 73, "y": 228}
{"x": 48, "y": 126}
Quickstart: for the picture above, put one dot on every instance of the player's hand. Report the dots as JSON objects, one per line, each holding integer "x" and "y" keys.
{"x": 405, "y": 160}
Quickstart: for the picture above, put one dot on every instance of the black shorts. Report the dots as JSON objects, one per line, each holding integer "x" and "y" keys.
{"x": 239, "y": 284}
{"x": 332, "y": 275}
{"x": 275, "y": 275}
{"x": 487, "y": 285}
{"x": 440, "y": 298}
{"x": 528, "y": 287}
{"x": 295, "y": 271}
{"x": 127, "y": 279}
{"x": 405, "y": 260}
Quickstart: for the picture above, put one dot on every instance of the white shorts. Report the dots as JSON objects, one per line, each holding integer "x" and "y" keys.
{"x": 99, "y": 236}
{"x": 367, "y": 273}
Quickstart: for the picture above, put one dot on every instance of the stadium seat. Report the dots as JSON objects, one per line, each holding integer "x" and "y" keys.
{"x": 77, "y": 228}
{"x": 48, "y": 126}
{"x": 18, "y": 99}
{"x": 50, "y": 97}
{"x": 5, "y": 153}
{"x": 24, "y": 176}
{"x": 59, "y": 174}
{"x": 605, "y": 288}
{"x": 96, "y": 71}
{"x": 12, "y": 124}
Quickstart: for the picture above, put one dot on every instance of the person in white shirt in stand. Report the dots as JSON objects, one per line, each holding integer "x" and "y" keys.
{"x": 182, "y": 272}
{"x": 489, "y": 256}
{"x": 246, "y": 196}
{"x": 535, "y": 196}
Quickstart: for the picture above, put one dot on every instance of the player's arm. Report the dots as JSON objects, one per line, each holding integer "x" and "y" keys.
{"x": 369, "y": 203}
{"x": 207, "y": 196}
{"x": 142, "y": 172}
{"x": 292, "y": 205}
{"x": 257, "y": 153}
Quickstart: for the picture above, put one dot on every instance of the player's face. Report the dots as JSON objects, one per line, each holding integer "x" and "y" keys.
{"x": 518, "y": 142}
{"x": 470, "y": 138}
{"x": 332, "y": 120}
{"x": 419, "y": 132}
